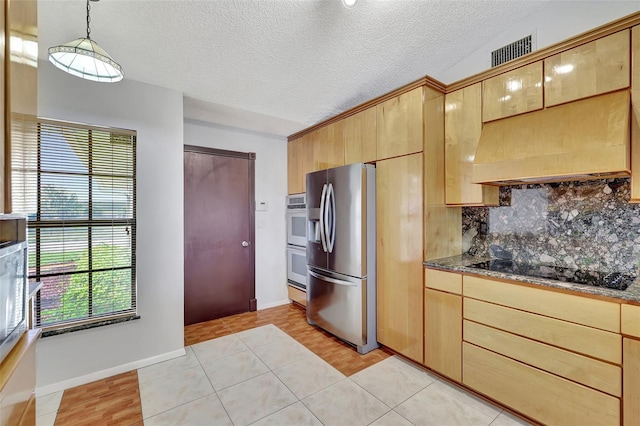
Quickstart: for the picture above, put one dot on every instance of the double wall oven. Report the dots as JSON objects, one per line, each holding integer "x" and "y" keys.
{"x": 297, "y": 241}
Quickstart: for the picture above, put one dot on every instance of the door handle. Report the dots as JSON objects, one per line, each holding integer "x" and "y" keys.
{"x": 332, "y": 280}
{"x": 245, "y": 244}
{"x": 323, "y": 235}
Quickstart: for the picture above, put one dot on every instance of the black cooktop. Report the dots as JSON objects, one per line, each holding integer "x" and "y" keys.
{"x": 614, "y": 280}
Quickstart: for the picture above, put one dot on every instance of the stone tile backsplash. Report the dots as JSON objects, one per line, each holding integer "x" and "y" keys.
{"x": 582, "y": 225}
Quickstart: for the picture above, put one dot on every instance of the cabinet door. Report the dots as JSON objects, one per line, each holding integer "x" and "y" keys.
{"x": 360, "y": 137}
{"x": 631, "y": 382}
{"x": 462, "y": 127}
{"x": 319, "y": 140}
{"x": 306, "y": 154}
{"x": 635, "y": 115}
{"x": 295, "y": 179}
{"x": 443, "y": 333}
{"x": 399, "y": 250}
{"x": 511, "y": 93}
{"x": 593, "y": 68}
{"x": 334, "y": 145}
{"x": 399, "y": 125}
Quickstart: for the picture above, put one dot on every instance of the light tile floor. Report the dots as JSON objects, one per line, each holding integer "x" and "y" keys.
{"x": 264, "y": 377}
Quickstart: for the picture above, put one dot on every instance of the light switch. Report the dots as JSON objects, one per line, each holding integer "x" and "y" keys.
{"x": 262, "y": 206}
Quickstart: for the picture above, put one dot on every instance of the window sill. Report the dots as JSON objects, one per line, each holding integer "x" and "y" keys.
{"x": 87, "y": 326}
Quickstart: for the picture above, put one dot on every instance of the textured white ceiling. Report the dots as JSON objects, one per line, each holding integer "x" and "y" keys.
{"x": 299, "y": 61}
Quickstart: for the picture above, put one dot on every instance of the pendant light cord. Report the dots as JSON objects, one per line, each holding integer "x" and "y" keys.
{"x": 88, "y": 20}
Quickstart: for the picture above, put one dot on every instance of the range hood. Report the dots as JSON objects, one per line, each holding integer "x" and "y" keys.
{"x": 580, "y": 140}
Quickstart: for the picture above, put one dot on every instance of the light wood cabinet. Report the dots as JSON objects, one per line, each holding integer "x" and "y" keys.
{"x": 295, "y": 178}
{"x": 590, "y": 69}
{"x": 512, "y": 93}
{"x": 631, "y": 382}
{"x": 18, "y": 382}
{"x": 580, "y": 310}
{"x": 442, "y": 224}
{"x": 399, "y": 224}
{"x": 443, "y": 333}
{"x": 630, "y": 320}
{"x": 635, "y": 115}
{"x": 328, "y": 146}
{"x": 588, "y": 341}
{"x": 587, "y": 371}
{"x": 542, "y": 396}
{"x": 463, "y": 125}
{"x": 297, "y": 295}
{"x": 450, "y": 282}
{"x": 399, "y": 125}
{"x": 360, "y": 137}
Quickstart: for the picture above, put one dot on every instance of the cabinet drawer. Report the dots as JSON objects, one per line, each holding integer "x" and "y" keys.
{"x": 581, "y": 369}
{"x": 511, "y": 93}
{"x": 297, "y": 296}
{"x": 445, "y": 281}
{"x": 578, "y": 338}
{"x": 542, "y": 396}
{"x": 581, "y": 310}
{"x": 631, "y": 320}
{"x": 593, "y": 68}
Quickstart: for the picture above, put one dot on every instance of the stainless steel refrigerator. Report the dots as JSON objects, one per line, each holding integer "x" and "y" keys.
{"x": 341, "y": 253}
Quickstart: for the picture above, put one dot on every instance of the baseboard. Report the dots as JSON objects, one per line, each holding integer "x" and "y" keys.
{"x": 102, "y": 374}
{"x": 273, "y": 304}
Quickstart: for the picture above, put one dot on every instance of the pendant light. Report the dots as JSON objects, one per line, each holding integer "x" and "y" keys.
{"x": 83, "y": 58}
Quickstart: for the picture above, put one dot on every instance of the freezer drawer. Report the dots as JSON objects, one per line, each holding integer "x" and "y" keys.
{"x": 338, "y": 305}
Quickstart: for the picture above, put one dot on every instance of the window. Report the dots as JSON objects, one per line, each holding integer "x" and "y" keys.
{"x": 77, "y": 185}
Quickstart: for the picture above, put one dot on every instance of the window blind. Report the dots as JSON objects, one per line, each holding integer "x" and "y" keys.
{"x": 77, "y": 184}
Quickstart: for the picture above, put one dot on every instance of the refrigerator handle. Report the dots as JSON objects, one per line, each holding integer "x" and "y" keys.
{"x": 331, "y": 280}
{"x": 323, "y": 237}
{"x": 331, "y": 197}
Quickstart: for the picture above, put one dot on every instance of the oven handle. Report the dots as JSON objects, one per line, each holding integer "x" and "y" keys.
{"x": 331, "y": 280}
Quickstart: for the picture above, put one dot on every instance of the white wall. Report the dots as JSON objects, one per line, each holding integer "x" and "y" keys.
{"x": 553, "y": 23}
{"x": 270, "y": 186}
{"x": 156, "y": 114}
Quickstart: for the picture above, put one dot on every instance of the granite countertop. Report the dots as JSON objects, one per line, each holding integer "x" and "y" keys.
{"x": 461, "y": 264}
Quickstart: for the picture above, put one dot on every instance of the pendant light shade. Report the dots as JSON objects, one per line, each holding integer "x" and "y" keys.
{"x": 83, "y": 58}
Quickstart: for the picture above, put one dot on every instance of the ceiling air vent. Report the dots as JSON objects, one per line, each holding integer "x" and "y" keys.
{"x": 512, "y": 51}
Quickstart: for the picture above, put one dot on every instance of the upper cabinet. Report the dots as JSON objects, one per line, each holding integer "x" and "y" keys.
{"x": 360, "y": 137}
{"x": 295, "y": 184}
{"x": 462, "y": 128}
{"x": 399, "y": 125}
{"x": 635, "y": 115}
{"x": 300, "y": 161}
{"x": 512, "y": 93}
{"x": 590, "y": 69}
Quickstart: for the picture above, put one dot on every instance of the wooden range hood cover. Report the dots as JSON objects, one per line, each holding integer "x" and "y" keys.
{"x": 584, "y": 139}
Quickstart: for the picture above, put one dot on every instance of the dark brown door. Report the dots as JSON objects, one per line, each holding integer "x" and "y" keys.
{"x": 219, "y": 277}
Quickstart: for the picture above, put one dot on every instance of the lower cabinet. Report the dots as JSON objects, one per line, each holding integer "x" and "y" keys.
{"x": 542, "y": 396}
{"x": 18, "y": 382}
{"x": 443, "y": 333}
{"x": 631, "y": 381}
{"x": 554, "y": 357}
